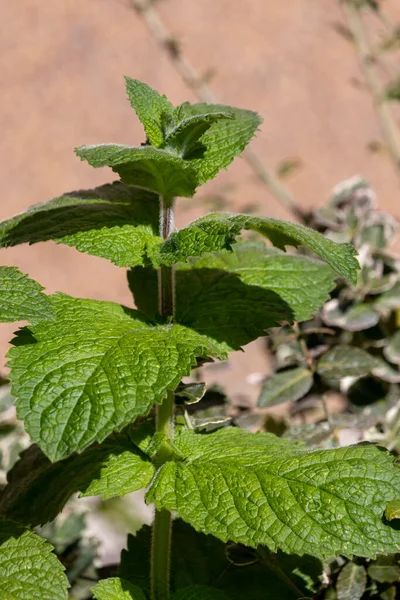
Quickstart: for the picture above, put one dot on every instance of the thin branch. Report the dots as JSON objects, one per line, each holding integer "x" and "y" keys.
{"x": 147, "y": 11}
{"x": 388, "y": 125}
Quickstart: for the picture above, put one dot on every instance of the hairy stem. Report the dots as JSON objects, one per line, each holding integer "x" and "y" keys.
{"x": 162, "y": 526}
{"x": 271, "y": 562}
{"x": 198, "y": 84}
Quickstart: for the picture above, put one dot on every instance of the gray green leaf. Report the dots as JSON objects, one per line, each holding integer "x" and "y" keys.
{"x": 259, "y": 489}
{"x": 21, "y": 298}
{"x": 385, "y": 569}
{"x": 117, "y": 589}
{"x": 285, "y": 386}
{"x": 114, "y": 221}
{"x": 216, "y": 232}
{"x": 152, "y": 109}
{"x": 392, "y": 350}
{"x": 357, "y": 318}
{"x": 147, "y": 167}
{"x": 95, "y": 369}
{"x": 345, "y": 361}
{"x": 28, "y": 568}
{"x": 37, "y": 489}
{"x": 352, "y": 582}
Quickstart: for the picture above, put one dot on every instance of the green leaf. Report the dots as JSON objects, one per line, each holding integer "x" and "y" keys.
{"x": 146, "y": 167}
{"x": 385, "y": 569}
{"x": 285, "y": 386}
{"x": 392, "y": 350}
{"x": 199, "y": 592}
{"x": 352, "y": 582}
{"x": 37, "y": 489}
{"x": 235, "y": 297}
{"x": 117, "y": 589}
{"x": 259, "y": 489}
{"x": 345, "y": 361}
{"x": 224, "y": 140}
{"x": 152, "y": 109}
{"x": 185, "y": 137}
{"x": 21, "y": 298}
{"x": 28, "y": 568}
{"x": 95, "y": 369}
{"x": 113, "y": 221}
{"x": 216, "y": 232}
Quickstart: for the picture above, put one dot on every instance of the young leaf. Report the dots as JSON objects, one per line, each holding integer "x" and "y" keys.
{"x": 184, "y": 138}
{"x": 113, "y": 221}
{"x": 21, "y": 298}
{"x": 152, "y": 109}
{"x": 37, "y": 489}
{"x": 199, "y": 592}
{"x": 95, "y": 369}
{"x": 147, "y": 167}
{"x": 286, "y": 386}
{"x": 352, "y": 582}
{"x": 259, "y": 489}
{"x": 28, "y": 568}
{"x": 219, "y": 231}
{"x": 224, "y": 140}
{"x": 345, "y": 361}
{"x": 117, "y": 589}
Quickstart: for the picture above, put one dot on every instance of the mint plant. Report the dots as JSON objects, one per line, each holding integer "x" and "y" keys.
{"x": 96, "y": 383}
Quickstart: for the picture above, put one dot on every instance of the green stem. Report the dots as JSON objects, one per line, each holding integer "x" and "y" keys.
{"x": 162, "y": 526}
{"x": 160, "y": 555}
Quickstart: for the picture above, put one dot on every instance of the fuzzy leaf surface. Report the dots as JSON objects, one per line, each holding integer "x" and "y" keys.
{"x": 113, "y": 221}
{"x": 216, "y": 232}
{"x": 117, "y": 589}
{"x": 147, "y": 167}
{"x": 224, "y": 140}
{"x": 234, "y": 297}
{"x": 94, "y": 369}
{"x": 21, "y": 298}
{"x": 184, "y": 138}
{"x": 345, "y": 361}
{"x": 37, "y": 489}
{"x": 152, "y": 108}
{"x": 286, "y": 386}
{"x": 258, "y": 489}
{"x": 28, "y": 568}
{"x": 352, "y": 582}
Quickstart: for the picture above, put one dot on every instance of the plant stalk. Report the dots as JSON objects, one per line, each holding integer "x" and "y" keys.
{"x": 162, "y": 526}
{"x": 388, "y": 124}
